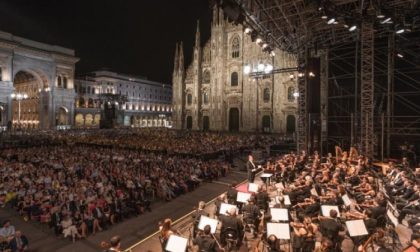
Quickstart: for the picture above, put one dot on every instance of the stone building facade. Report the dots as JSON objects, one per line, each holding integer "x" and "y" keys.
{"x": 44, "y": 74}
{"x": 214, "y": 93}
{"x": 148, "y": 103}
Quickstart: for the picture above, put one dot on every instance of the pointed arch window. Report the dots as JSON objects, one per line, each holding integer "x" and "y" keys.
{"x": 206, "y": 76}
{"x": 290, "y": 94}
{"x": 64, "y": 82}
{"x": 234, "y": 79}
{"x": 189, "y": 99}
{"x": 235, "y": 47}
{"x": 266, "y": 95}
{"x": 206, "y": 97}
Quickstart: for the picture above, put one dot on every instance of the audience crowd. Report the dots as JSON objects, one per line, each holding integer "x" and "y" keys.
{"x": 79, "y": 190}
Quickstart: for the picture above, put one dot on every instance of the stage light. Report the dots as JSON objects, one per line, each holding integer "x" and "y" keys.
{"x": 258, "y": 41}
{"x": 386, "y": 20}
{"x": 296, "y": 94}
{"x": 380, "y": 15}
{"x": 247, "y": 69}
{"x": 300, "y": 75}
{"x": 311, "y": 74}
{"x": 399, "y": 31}
{"x": 248, "y": 30}
{"x": 291, "y": 76}
{"x": 268, "y": 68}
{"x": 400, "y": 55}
{"x": 324, "y": 16}
{"x": 331, "y": 21}
{"x": 353, "y": 27}
{"x": 260, "y": 67}
{"x": 265, "y": 45}
{"x": 272, "y": 54}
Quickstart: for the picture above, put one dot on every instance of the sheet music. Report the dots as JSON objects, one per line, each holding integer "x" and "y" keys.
{"x": 346, "y": 200}
{"x": 176, "y": 244}
{"x": 287, "y": 201}
{"x": 243, "y": 197}
{"x": 326, "y": 210}
{"x": 392, "y": 217}
{"x": 314, "y": 192}
{"x": 280, "y": 230}
{"x": 356, "y": 228}
{"x": 266, "y": 175}
{"x": 224, "y": 208}
{"x": 204, "y": 220}
{"x": 279, "y": 214}
{"x": 252, "y": 187}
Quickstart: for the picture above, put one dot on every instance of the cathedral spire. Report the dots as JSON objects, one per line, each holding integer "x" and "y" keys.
{"x": 176, "y": 58}
{"x": 197, "y": 35}
{"x": 215, "y": 20}
{"x": 181, "y": 57}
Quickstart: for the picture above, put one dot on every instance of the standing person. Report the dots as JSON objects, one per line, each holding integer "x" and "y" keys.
{"x": 205, "y": 241}
{"x": 251, "y": 168}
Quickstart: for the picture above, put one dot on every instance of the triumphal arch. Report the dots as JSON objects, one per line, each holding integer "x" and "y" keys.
{"x": 36, "y": 84}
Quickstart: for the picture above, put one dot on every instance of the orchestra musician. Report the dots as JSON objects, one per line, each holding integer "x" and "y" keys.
{"x": 205, "y": 241}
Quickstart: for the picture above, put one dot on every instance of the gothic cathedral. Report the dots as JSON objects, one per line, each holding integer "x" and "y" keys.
{"x": 213, "y": 92}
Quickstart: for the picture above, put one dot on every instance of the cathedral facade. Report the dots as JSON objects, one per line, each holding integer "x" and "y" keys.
{"x": 214, "y": 93}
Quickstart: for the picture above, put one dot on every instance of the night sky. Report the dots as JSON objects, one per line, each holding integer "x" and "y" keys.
{"x": 128, "y": 36}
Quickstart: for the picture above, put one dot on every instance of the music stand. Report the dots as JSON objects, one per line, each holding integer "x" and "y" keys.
{"x": 243, "y": 197}
{"x": 266, "y": 178}
{"x": 287, "y": 201}
{"x": 356, "y": 228}
{"x": 280, "y": 230}
{"x": 279, "y": 214}
{"x": 252, "y": 187}
{"x": 176, "y": 244}
{"x": 325, "y": 209}
{"x": 204, "y": 220}
{"x": 392, "y": 217}
{"x": 346, "y": 200}
{"x": 224, "y": 208}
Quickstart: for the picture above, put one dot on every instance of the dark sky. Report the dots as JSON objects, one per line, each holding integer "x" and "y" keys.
{"x": 128, "y": 36}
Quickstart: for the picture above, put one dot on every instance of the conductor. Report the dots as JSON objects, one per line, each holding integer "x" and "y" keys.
{"x": 251, "y": 168}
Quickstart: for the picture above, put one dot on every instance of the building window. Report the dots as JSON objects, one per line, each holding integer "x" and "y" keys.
{"x": 189, "y": 99}
{"x": 205, "y": 97}
{"x": 290, "y": 94}
{"x": 234, "y": 79}
{"x": 266, "y": 95}
{"x": 235, "y": 47}
{"x": 206, "y": 76}
{"x": 64, "y": 82}
{"x": 59, "y": 81}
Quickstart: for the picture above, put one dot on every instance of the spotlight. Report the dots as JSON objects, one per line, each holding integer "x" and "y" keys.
{"x": 380, "y": 15}
{"x": 331, "y": 21}
{"x": 247, "y": 69}
{"x": 386, "y": 20}
{"x": 311, "y": 74}
{"x": 296, "y": 94}
{"x": 353, "y": 27}
{"x": 265, "y": 45}
{"x": 268, "y": 68}
{"x": 335, "y": 22}
{"x": 248, "y": 30}
{"x": 300, "y": 75}
{"x": 272, "y": 54}
{"x": 400, "y": 55}
{"x": 399, "y": 31}
{"x": 324, "y": 16}
{"x": 258, "y": 41}
{"x": 260, "y": 67}
{"x": 291, "y": 76}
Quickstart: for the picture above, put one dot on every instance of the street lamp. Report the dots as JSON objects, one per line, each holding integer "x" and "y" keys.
{"x": 19, "y": 97}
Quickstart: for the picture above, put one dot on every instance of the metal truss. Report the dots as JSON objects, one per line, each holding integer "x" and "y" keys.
{"x": 302, "y": 120}
{"x": 367, "y": 88}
